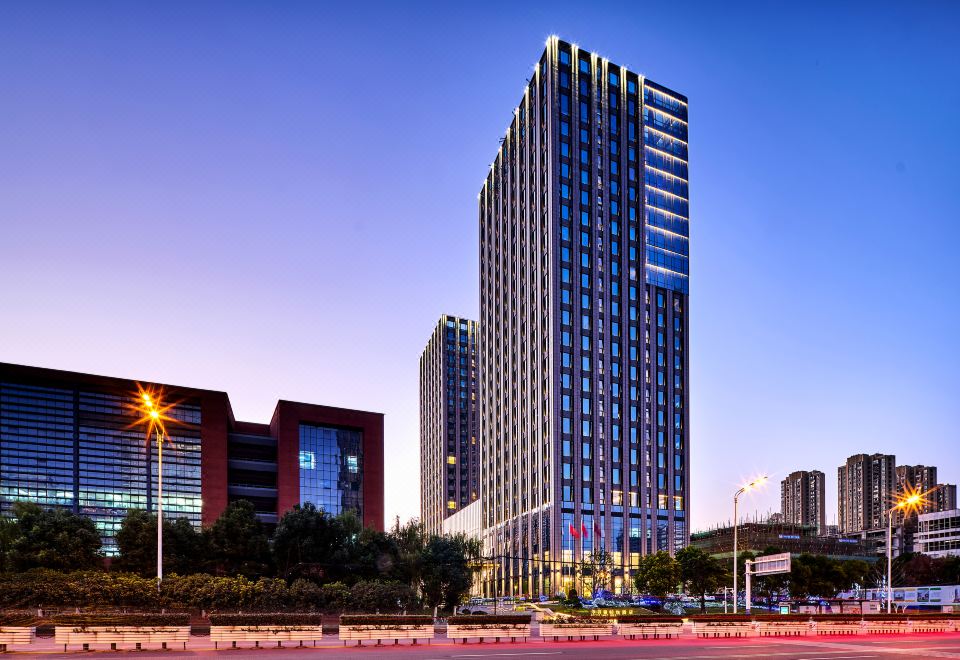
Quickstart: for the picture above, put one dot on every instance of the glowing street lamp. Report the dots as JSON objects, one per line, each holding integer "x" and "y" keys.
{"x": 910, "y": 501}
{"x": 753, "y": 485}
{"x": 154, "y": 416}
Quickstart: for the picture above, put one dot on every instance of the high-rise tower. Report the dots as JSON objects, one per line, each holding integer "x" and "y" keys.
{"x": 866, "y": 486}
{"x": 449, "y": 449}
{"x": 584, "y": 322}
{"x": 802, "y": 500}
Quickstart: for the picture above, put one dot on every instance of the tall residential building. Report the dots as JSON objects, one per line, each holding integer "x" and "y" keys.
{"x": 802, "y": 500}
{"x": 944, "y": 498}
{"x": 71, "y": 440}
{"x": 866, "y": 486}
{"x": 916, "y": 477}
{"x": 584, "y": 225}
{"x": 449, "y": 449}
{"x": 923, "y": 478}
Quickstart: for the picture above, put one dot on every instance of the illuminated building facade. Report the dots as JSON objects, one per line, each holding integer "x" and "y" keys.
{"x": 584, "y": 272}
{"x": 72, "y": 440}
{"x": 449, "y": 449}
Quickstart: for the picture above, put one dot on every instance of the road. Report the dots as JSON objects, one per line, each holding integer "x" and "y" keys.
{"x": 942, "y": 645}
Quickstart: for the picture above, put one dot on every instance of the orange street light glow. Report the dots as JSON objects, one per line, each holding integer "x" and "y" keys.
{"x": 152, "y": 412}
{"x": 756, "y": 483}
{"x": 912, "y": 499}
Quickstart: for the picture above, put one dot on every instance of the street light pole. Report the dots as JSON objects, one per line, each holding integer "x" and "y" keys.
{"x": 159, "y": 506}
{"x": 911, "y": 500}
{"x": 736, "y": 497}
{"x": 154, "y": 418}
{"x": 890, "y": 559}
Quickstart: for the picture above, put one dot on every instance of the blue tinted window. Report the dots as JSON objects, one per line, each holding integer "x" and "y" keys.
{"x": 331, "y": 462}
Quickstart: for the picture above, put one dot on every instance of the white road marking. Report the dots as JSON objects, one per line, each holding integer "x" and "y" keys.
{"x": 841, "y": 657}
{"x": 487, "y": 655}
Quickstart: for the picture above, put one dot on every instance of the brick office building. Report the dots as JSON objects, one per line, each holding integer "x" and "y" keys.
{"x": 71, "y": 440}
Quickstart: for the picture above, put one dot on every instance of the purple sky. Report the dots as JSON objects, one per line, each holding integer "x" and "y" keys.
{"x": 279, "y": 200}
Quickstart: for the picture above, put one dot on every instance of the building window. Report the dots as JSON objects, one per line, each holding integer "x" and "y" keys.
{"x": 331, "y": 461}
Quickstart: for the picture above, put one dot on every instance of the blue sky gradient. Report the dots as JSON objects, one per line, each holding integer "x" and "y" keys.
{"x": 279, "y": 200}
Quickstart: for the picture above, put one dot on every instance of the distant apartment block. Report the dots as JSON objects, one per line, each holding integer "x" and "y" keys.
{"x": 802, "y": 499}
{"x": 923, "y": 478}
{"x": 866, "y": 487}
{"x": 944, "y": 498}
{"x": 916, "y": 477}
{"x": 449, "y": 448}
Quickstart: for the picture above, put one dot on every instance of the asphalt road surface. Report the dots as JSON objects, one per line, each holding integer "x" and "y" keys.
{"x": 943, "y": 645}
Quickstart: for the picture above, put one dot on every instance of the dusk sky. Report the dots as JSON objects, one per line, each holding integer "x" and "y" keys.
{"x": 279, "y": 200}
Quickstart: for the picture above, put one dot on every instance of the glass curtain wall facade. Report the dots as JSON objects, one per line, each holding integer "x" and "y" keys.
{"x": 584, "y": 288}
{"x": 80, "y": 449}
{"x": 331, "y": 468}
{"x": 449, "y": 449}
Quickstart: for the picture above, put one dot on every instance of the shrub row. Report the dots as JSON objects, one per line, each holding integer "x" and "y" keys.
{"x": 19, "y": 618}
{"x": 648, "y": 618}
{"x": 385, "y": 620}
{"x": 267, "y": 619}
{"x": 577, "y": 621}
{"x": 720, "y": 618}
{"x": 106, "y": 619}
{"x": 97, "y": 589}
{"x": 489, "y": 619}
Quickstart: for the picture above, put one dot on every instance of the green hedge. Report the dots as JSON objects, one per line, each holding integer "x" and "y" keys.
{"x": 836, "y": 617}
{"x": 267, "y": 619}
{"x": 106, "y": 619}
{"x": 489, "y": 619}
{"x": 721, "y": 618}
{"x": 385, "y": 620}
{"x": 577, "y": 621}
{"x": 16, "y": 618}
{"x": 909, "y": 616}
{"x": 100, "y": 589}
{"x": 648, "y": 618}
{"x": 781, "y": 617}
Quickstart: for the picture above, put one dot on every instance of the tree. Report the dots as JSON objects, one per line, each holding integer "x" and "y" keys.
{"x": 700, "y": 573}
{"x": 238, "y": 543}
{"x": 817, "y": 575}
{"x": 446, "y": 574}
{"x": 915, "y": 569}
{"x": 9, "y": 532}
{"x": 137, "y": 542}
{"x": 742, "y": 557}
{"x": 771, "y": 586}
{"x": 597, "y": 566}
{"x": 53, "y": 538}
{"x": 306, "y": 542}
{"x": 374, "y": 556}
{"x": 184, "y": 547}
{"x": 950, "y": 570}
{"x": 657, "y": 574}
{"x": 411, "y": 540}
